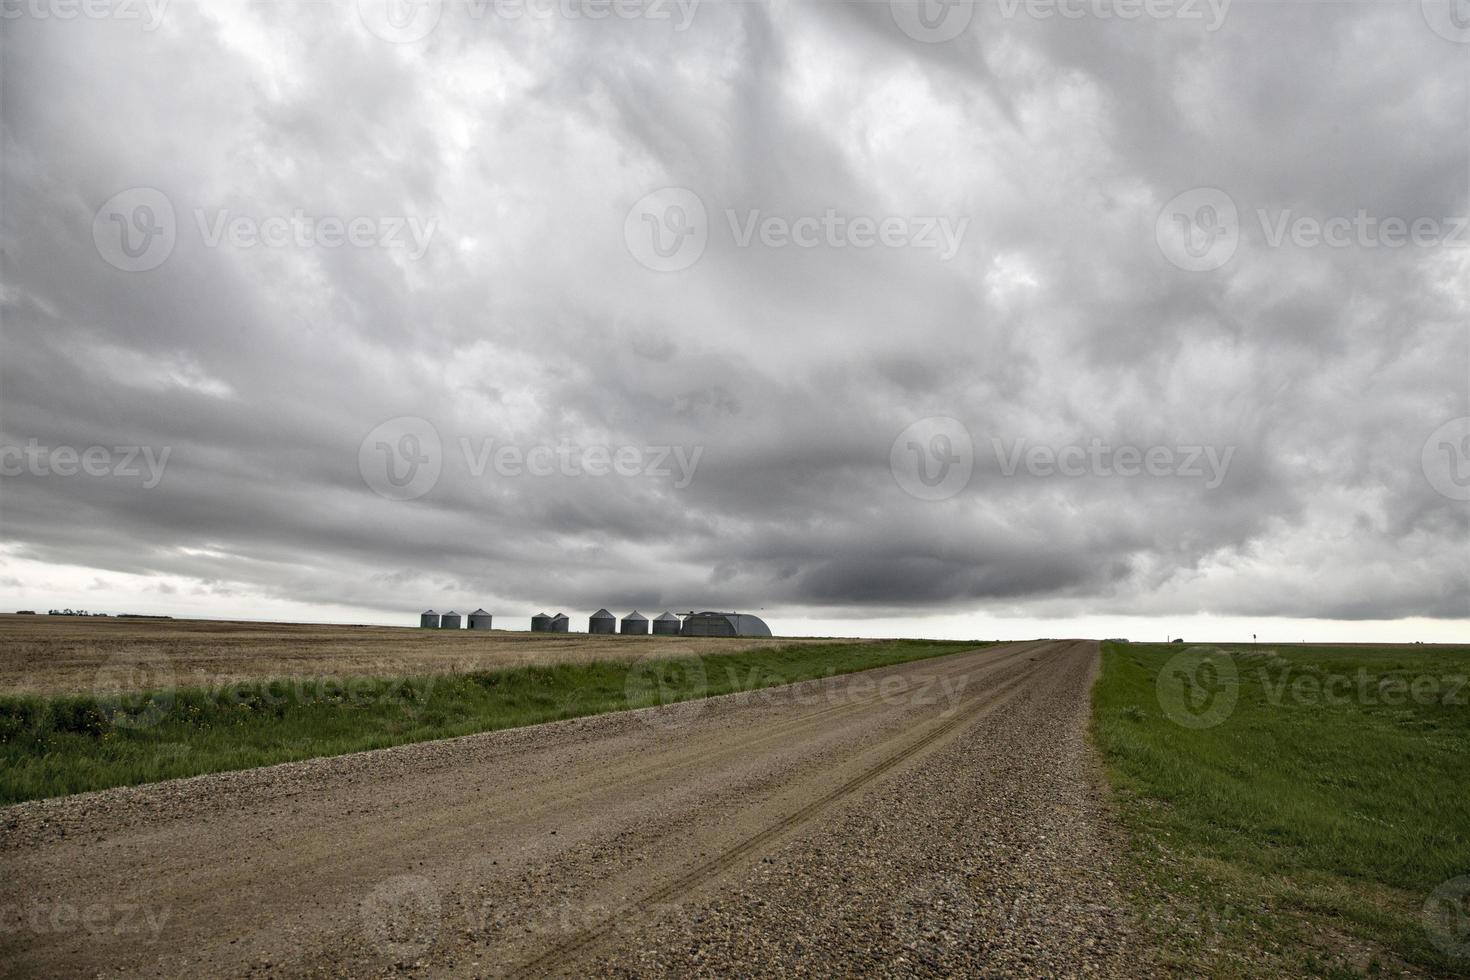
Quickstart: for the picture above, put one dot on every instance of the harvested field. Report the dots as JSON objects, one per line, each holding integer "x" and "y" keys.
{"x": 66, "y": 654}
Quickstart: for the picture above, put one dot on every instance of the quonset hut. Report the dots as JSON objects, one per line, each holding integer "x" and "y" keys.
{"x": 724, "y": 624}
{"x": 479, "y": 620}
{"x": 540, "y": 623}
{"x": 602, "y": 621}
{"x": 449, "y": 621}
{"x": 429, "y": 620}
{"x": 635, "y": 622}
{"x": 666, "y": 624}
{"x": 560, "y": 623}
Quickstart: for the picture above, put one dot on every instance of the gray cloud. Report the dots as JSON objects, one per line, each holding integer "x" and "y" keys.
{"x": 528, "y": 321}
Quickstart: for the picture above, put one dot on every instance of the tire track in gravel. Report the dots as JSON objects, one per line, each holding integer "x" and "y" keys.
{"x": 560, "y": 956}
{"x": 474, "y": 817}
{"x": 609, "y": 812}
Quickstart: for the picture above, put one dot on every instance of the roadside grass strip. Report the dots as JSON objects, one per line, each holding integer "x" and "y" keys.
{"x": 1298, "y": 811}
{"x": 54, "y": 746}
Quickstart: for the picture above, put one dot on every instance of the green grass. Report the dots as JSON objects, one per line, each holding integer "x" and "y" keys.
{"x": 60, "y": 745}
{"x": 1303, "y": 833}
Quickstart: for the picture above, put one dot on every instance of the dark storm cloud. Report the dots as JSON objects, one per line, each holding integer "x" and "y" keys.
{"x": 528, "y": 320}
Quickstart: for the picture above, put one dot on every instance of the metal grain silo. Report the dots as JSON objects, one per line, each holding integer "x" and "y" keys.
{"x": 480, "y": 620}
{"x": 449, "y": 621}
{"x": 602, "y": 621}
{"x": 429, "y": 620}
{"x": 560, "y": 623}
{"x": 635, "y": 622}
{"x": 666, "y": 625}
{"x": 540, "y": 623}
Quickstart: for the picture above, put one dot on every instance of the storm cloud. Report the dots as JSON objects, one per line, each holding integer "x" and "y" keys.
{"x": 834, "y": 309}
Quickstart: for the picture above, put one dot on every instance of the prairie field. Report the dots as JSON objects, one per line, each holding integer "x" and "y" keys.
{"x": 1294, "y": 811}
{"x": 74, "y": 654}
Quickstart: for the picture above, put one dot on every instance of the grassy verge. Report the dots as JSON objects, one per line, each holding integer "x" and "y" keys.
{"x": 52, "y": 746}
{"x": 1293, "y": 812}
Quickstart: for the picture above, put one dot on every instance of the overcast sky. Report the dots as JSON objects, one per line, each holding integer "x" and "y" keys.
{"x": 879, "y": 318}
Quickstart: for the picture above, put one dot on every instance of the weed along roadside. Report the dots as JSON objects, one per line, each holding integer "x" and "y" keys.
{"x": 52, "y": 746}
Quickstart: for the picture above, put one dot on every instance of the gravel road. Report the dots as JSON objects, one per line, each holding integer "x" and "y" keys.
{"x": 933, "y": 818}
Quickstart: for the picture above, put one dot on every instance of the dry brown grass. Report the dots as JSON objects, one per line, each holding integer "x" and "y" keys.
{"x": 65, "y": 654}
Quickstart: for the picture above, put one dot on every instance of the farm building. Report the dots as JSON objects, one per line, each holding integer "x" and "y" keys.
{"x": 479, "y": 620}
{"x": 429, "y": 620}
{"x": 540, "y": 623}
{"x": 666, "y": 624}
{"x": 560, "y": 623}
{"x": 449, "y": 621}
{"x": 635, "y": 622}
{"x": 602, "y": 621}
{"x": 724, "y": 624}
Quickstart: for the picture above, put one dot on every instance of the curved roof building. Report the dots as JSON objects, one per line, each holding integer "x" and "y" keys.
{"x": 724, "y": 624}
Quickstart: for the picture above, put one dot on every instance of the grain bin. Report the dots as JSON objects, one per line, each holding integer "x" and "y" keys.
{"x": 635, "y": 622}
{"x": 560, "y": 623}
{"x": 540, "y": 623}
{"x": 429, "y": 620}
{"x": 480, "y": 620}
{"x": 666, "y": 624}
{"x": 602, "y": 621}
{"x": 449, "y": 621}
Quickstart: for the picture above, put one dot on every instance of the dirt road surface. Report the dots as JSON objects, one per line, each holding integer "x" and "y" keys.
{"x": 933, "y": 818}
